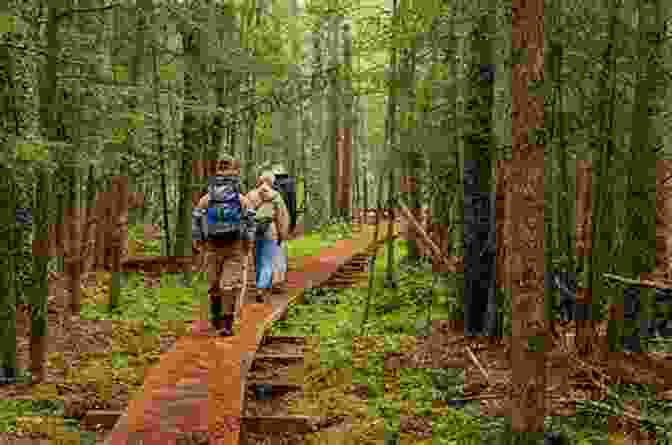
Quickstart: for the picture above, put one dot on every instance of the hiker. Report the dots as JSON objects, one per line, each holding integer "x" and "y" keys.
{"x": 222, "y": 212}
{"x": 286, "y": 185}
{"x": 272, "y": 222}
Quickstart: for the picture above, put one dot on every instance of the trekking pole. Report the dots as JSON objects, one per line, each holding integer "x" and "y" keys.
{"x": 241, "y": 296}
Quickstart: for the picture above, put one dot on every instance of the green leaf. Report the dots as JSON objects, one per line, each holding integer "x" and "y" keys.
{"x": 119, "y": 136}
{"x": 168, "y": 72}
{"x": 120, "y": 73}
{"x": 136, "y": 119}
{"x": 31, "y": 151}
{"x": 8, "y": 23}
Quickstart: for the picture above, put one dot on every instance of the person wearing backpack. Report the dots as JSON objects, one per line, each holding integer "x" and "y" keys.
{"x": 286, "y": 186}
{"x": 222, "y": 213}
{"x": 272, "y": 224}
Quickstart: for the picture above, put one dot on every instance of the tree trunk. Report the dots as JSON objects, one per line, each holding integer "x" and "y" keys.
{"x": 49, "y": 121}
{"x": 7, "y": 288}
{"x": 38, "y": 300}
{"x": 314, "y": 187}
{"x": 525, "y": 279}
{"x": 334, "y": 120}
{"x": 345, "y": 161}
{"x": 479, "y": 257}
{"x": 391, "y": 134}
{"x": 603, "y": 209}
{"x": 166, "y": 247}
{"x": 640, "y": 239}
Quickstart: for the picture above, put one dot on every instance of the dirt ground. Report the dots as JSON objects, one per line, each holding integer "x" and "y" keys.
{"x": 487, "y": 375}
{"x": 72, "y": 339}
{"x": 487, "y": 368}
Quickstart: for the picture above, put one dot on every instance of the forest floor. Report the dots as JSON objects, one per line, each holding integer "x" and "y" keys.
{"x": 85, "y": 364}
{"x": 413, "y": 371}
{"x": 427, "y": 381}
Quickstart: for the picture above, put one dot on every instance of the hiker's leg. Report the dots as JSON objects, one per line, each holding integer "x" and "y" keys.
{"x": 279, "y": 269}
{"x": 231, "y": 273}
{"x": 265, "y": 251}
{"x": 214, "y": 292}
{"x": 258, "y": 245}
{"x": 284, "y": 251}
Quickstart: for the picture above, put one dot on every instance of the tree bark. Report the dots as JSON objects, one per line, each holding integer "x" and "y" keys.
{"x": 525, "y": 210}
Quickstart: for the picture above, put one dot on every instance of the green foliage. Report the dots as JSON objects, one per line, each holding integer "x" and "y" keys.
{"x": 30, "y": 151}
{"x": 45, "y": 417}
{"x": 136, "y": 235}
{"x": 153, "y": 306}
{"x": 325, "y": 237}
{"x": 336, "y": 228}
{"x": 334, "y": 316}
{"x": 11, "y": 409}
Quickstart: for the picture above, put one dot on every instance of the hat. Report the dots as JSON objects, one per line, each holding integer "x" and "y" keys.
{"x": 263, "y": 167}
{"x": 279, "y": 169}
{"x": 267, "y": 174}
{"x": 227, "y": 163}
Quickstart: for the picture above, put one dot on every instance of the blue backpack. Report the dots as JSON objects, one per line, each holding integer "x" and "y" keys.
{"x": 224, "y": 214}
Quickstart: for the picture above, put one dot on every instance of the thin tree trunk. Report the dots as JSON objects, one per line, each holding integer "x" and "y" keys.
{"x": 602, "y": 231}
{"x": 159, "y": 141}
{"x": 640, "y": 239}
{"x": 391, "y": 133}
{"x": 38, "y": 300}
{"x": 49, "y": 121}
{"x": 7, "y": 288}
{"x": 334, "y": 120}
{"x": 346, "y": 152}
{"x": 479, "y": 253}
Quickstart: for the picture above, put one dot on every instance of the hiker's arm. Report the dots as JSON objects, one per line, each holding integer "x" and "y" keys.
{"x": 292, "y": 206}
{"x": 245, "y": 202}
{"x": 282, "y": 220}
{"x": 203, "y": 202}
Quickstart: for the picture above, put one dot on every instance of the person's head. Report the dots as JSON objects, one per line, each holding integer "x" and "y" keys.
{"x": 267, "y": 177}
{"x": 265, "y": 192}
{"x": 227, "y": 166}
{"x": 279, "y": 170}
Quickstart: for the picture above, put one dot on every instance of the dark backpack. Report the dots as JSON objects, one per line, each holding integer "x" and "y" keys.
{"x": 224, "y": 214}
{"x": 284, "y": 185}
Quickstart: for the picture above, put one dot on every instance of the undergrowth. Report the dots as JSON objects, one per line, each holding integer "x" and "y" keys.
{"x": 339, "y": 363}
{"x": 323, "y": 238}
{"x": 143, "y": 316}
{"x": 31, "y": 419}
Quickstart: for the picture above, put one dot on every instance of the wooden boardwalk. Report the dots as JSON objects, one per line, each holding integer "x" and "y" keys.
{"x": 198, "y": 387}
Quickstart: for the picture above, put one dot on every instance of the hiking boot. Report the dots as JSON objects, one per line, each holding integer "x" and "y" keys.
{"x": 259, "y": 297}
{"x": 262, "y": 296}
{"x": 279, "y": 289}
{"x": 228, "y": 325}
{"x": 224, "y": 326}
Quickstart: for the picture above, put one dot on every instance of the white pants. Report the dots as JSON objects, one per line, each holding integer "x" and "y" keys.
{"x": 280, "y": 264}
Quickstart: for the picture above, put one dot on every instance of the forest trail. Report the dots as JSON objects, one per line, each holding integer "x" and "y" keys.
{"x": 198, "y": 387}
